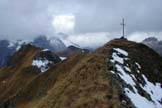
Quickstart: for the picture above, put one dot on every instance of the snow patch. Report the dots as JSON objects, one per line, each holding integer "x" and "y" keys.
{"x": 19, "y": 44}
{"x": 63, "y": 58}
{"x": 42, "y": 64}
{"x": 139, "y": 67}
{"x": 11, "y": 44}
{"x": 121, "y": 51}
{"x": 125, "y": 73}
{"x": 45, "y": 50}
{"x": 117, "y": 58}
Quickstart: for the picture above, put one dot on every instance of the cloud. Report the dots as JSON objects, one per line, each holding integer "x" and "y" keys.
{"x": 64, "y": 23}
{"x": 140, "y": 36}
{"x": 29, "y": 18}
{"x": 94, "y": 40}
{"x": 137, "y": 36}
{"x": 91, "y": 40}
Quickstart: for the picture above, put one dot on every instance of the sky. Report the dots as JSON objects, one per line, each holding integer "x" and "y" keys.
{"x": 85, "y": 21}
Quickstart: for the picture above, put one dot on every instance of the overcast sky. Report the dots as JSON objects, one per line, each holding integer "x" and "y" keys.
{"x": 26, "y": 19}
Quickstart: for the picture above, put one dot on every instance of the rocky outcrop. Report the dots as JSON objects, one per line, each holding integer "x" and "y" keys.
{"x": 45, "y": 59}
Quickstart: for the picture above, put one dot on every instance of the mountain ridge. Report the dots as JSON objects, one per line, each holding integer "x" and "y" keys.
{"x": 8, "y": 48}
{"x": 96, "y": 79}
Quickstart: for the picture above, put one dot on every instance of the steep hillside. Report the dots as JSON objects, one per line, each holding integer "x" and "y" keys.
{"x": 14, "y": 77}
{"x": 121, "y": 74}
{"x": 22, "y": 69}
{"x": 136, "y": 70}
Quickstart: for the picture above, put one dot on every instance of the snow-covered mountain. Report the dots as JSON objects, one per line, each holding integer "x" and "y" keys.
{"x": 154, "y": 43}
{"x": 53, "y": 44}
{"x": 8, "y": 48}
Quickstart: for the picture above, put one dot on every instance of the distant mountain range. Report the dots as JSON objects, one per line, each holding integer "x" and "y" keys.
{"x": 8, "y": 48}
{"x": 154, "y": 43}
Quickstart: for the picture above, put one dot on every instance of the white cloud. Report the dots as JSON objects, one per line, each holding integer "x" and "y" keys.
{"x": 91, "y": 40}
{"x": 64, "y": 23}
{"x": 140, "y": 36}
{"x": 94, "y": 40}
{"x": 29, "y": 18}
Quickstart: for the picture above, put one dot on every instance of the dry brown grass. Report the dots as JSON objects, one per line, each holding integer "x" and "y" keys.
{"x": 85, "y": 86}
{"x": 14, "y": 76}
{"x": 81, "y": 81}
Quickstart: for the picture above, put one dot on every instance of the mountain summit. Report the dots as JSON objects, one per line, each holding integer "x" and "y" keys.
{"x": 154, "y": 43}
{"x": 53, "y": 44}
{"x": 121, "y": 74}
